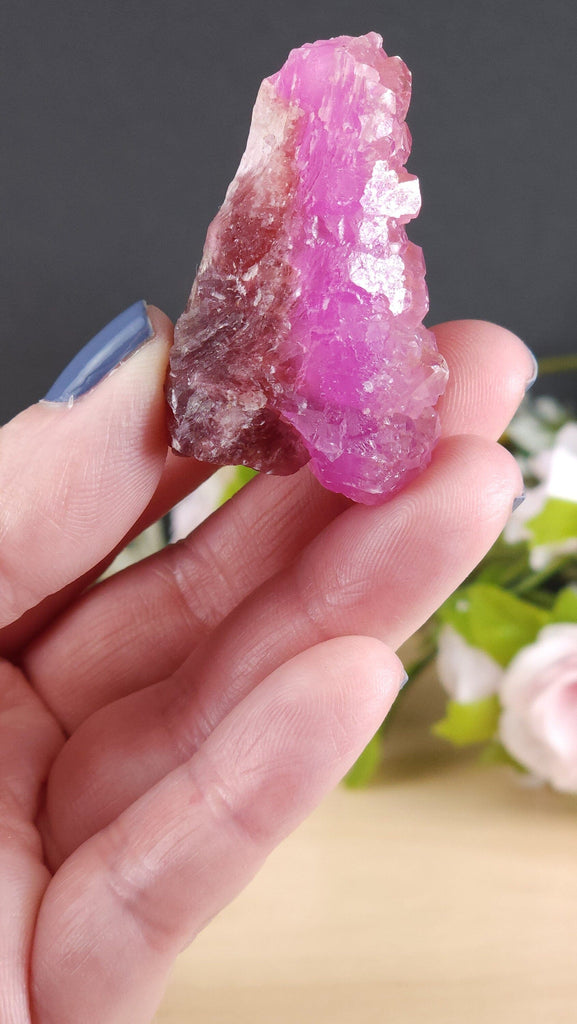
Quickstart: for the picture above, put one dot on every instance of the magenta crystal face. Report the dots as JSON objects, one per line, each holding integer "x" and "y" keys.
{"x": 302, "y": 339}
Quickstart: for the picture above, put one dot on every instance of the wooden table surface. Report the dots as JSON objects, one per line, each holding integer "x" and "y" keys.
{"x": 446, "y": 892}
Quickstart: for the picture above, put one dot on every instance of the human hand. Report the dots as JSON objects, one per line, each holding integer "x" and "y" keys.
{"x": 161, "y": 732}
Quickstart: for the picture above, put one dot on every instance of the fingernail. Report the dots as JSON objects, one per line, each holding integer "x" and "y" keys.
{"x": 534, "y": 375}
{"x": 107, "y": 349}
{"x": 519, "y": 500}
{"x": 404, "y": 680}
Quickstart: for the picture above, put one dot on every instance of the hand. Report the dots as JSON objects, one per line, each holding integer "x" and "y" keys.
{"x": 163, "y": 730}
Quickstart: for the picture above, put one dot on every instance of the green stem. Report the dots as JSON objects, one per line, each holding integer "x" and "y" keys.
{"x": 419, "y": 664}
{"x": 558, "y": 364}
{"x": 537, "y": 578}
{"x": 413, "y": 671}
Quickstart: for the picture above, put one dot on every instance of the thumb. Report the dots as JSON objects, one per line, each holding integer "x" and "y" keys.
{"x": 76, "y": 472}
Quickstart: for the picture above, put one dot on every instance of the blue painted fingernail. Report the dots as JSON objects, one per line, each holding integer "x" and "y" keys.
{"x": 99, "y": 356}
{"x": 519, "y": 499}
{"x": 534, "y": 375}
{"x": 404, "y": 680}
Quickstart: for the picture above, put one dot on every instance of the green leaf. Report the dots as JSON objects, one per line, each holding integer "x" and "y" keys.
{"x": 557, "y": 521}
{"x": 494, "y": 620}
{"x": 508, "y": 570}
{"x": 565, "y": 607}
{"x": 456, "y": 611}
{"x": 495, "y": 753}
{"x": 505, "y": 563}
{"x": 465, "y": 724}
{"x": 366, "y": 766}
{"x": 241, "y": 477}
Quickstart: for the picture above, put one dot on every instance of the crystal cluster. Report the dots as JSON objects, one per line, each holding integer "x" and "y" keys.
{"x": 302, "y": 340}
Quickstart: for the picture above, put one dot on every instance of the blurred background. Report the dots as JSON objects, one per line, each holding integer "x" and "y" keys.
{"x": 124, "y": 122}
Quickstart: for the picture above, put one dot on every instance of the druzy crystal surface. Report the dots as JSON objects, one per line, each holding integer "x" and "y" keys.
{"x": 302, "y": 340}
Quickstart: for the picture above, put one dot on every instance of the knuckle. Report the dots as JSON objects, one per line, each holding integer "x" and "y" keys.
{"x": 312, "y": 604}
{"x": 184, "y": 722}
{"x": 130, "y": 882}
{"x": 201, "y": 582}
{"x": 223, "y": 803}
{"x": 15, "y": 595}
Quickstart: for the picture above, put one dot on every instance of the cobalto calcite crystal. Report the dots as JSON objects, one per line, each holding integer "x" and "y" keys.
{"x": 302, "y": 340}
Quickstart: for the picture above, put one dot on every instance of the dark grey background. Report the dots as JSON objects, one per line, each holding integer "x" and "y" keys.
{"x": 124, "y": 121}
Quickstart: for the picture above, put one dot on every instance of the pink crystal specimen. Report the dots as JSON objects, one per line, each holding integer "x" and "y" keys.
{"x": 303, "y": 338}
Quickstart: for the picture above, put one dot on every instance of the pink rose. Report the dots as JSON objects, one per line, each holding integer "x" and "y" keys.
{"x": 539, "y": 696}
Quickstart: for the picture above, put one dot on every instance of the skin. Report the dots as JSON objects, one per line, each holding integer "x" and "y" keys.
{"x": 163, "y": 731}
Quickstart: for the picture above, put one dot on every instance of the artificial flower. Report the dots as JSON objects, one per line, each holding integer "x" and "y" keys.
{"x": 467, "y": 673}
{"x": 538, "y": 726}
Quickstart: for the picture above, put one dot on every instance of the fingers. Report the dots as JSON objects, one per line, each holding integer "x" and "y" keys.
{"x": 378, "y": 572}
{"x": 29, "y": 741}
{"x": 490, "y": 369}
{"x": 129, "y": 900}
{"x": 74, "y": 480}
{"x": 139, "y": 626}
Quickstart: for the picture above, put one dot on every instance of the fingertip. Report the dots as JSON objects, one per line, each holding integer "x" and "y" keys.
{"x": 359, "y": 675}
{"x": 490, "y": 369}
{"x": 495, "y": 477}
{"x": 477, "y": 334}
{"x": 161, "y": 324}
{"x": 373, "y": 659}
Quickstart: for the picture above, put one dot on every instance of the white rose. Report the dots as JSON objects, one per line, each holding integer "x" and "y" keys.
{"x": 561, "y": 482}
{"x": 467, "y": 673}
{"x": 535, "y": 424}
{"x": 198, "y": 506}
{"x": 557, "y": 471}
{"x": 515, "y": 527}
{"x": 562, "y": 477}
{"x": 538, "y": 725}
